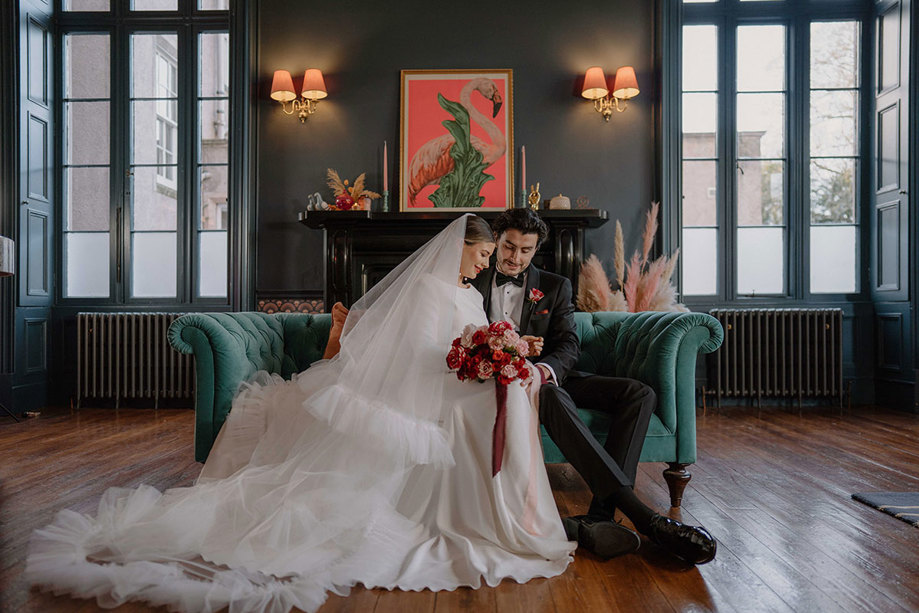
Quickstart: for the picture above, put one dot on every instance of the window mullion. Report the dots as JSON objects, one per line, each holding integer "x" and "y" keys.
{"x": 728, "y": 153}
{"x": 121, "y": 179}
{"x": 188, "y": 67}
{"x": 799, "y": 159}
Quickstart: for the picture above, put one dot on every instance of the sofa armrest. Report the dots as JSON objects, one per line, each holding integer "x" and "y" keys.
{"x": 660, "y": 349}
{"x": 229, "y": 348}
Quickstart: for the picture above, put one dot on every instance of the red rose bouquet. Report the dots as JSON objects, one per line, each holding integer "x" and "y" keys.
{"x": 495, "y": 352}
{"x": 492, "y": 351}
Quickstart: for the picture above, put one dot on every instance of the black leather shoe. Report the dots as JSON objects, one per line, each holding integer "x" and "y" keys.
{"x": 691, "y": 543}
{"x": 604, "y": 538}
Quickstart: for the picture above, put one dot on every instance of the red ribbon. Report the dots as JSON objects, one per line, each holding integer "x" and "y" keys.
{"x": 497, "y": 438}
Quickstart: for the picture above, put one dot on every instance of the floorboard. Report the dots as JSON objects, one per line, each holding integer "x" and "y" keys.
{"x": 772, "y": 485}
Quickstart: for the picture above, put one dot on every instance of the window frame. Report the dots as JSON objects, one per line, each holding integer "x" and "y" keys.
{"x": 727, "y": 15}
{"x": 187, "y": 22}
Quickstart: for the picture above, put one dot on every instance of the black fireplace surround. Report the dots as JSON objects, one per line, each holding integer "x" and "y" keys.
{"x": 363, "y": 246}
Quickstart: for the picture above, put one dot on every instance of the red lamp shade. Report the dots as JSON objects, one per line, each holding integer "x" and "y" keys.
{"x": 594, "y": 84}
{"x": 282, "y": 87}
{"x": 313, "y": 85}
{"x": 626, "y": 85}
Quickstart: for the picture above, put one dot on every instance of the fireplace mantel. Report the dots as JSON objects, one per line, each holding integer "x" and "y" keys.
{"x": 362, "y": 246}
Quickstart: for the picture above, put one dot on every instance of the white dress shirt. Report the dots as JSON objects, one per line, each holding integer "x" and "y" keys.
{"x": 506, "y": 304}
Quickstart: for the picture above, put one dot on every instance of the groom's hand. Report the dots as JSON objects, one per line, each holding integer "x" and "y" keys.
{"x": 535, "y": 344}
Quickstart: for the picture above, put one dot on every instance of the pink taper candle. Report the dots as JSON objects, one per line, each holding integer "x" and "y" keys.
{"x": 523, "y": 170}
{"x": 385, "y": 169}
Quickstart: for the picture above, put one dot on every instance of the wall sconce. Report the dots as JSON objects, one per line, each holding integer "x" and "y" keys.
{"x": 313, "y": 90}
{"x": 625, "y": 86}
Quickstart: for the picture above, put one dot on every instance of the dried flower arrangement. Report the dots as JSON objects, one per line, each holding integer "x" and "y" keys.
{"x": 643, "y": 285}
{"x": 349, "y": 197}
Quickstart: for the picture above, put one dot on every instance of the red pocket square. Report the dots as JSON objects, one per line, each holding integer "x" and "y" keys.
{"x": 543, "y": 312}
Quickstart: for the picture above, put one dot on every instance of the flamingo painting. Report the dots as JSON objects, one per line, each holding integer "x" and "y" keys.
{"x": 432, "y": 161}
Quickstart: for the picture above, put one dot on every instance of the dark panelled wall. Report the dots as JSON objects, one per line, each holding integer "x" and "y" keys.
{"x": 362, "y": 45}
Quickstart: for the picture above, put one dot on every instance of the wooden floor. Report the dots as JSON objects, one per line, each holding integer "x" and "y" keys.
{"x": 773, "y": 487}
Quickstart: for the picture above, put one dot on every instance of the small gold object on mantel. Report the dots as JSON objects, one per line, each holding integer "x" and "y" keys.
{"x": 534, "y": 197}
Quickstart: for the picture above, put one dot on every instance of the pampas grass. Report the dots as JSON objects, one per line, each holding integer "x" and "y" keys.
{"x": 593, "y": 287}
{"x": 643, "y": 285}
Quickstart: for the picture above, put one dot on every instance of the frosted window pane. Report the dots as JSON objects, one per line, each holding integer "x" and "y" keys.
{"x": 700, "y": 58}
{"x": 87, "y": 261}
{"x": 760, "y": 261}
{"x": 833, "y": 259}
{"x": 86, "y": 5}
{"x": 213, "y": 5}
{"x": 153, "y": 271}
{"x": 700, "y": 268}
{"x": 154, "y": 5}
{"x": 212, "y": 276}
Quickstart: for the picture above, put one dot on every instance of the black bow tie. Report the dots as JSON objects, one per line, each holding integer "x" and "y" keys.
{"x": 501, "y": 279}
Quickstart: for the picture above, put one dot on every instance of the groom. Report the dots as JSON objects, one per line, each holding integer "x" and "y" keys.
{"x": 539, "y": 305}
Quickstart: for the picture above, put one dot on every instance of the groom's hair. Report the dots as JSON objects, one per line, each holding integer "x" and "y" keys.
{"x": 525, "y": 221}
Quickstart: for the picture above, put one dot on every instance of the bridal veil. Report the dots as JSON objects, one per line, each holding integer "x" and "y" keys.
{"x": 312, "y": 508}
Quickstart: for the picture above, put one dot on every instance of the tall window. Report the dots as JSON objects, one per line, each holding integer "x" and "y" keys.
{"x": 770, "y": 148}
{"x": 87, "y": 168}
{"x": 147, "y": 219}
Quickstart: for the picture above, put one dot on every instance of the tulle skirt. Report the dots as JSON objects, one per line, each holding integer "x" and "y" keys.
{"x": 310, "y": 489}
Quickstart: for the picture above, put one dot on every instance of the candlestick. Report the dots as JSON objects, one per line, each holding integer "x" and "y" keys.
{"x": 385, "y": 168}
{"x": 523, "y": 172}
{"x": 385, "y": 205}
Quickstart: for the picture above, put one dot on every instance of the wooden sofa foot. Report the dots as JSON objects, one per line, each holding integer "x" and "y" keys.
{"x": 676, "y": 477}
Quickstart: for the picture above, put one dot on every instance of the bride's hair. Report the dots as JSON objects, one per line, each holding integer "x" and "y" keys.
{"x": 478, "y": 231}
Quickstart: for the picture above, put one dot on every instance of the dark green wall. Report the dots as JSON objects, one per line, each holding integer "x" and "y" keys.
{"x": 362, "y": 45}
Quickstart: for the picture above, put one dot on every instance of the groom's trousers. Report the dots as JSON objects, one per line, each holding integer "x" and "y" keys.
{"x": 627, "y": 402}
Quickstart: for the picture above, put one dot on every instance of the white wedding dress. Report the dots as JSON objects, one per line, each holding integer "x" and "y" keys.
{"x": 373, "y": 468}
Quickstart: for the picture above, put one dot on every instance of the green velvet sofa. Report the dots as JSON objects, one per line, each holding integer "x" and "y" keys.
{"x": 657, "y": 348}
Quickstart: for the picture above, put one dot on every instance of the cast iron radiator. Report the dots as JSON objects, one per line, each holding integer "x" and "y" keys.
{"x": 126, "y": 355}
{"x": 779, "y": 353}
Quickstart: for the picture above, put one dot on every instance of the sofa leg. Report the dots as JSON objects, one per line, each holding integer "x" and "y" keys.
{"x": 676, "y": 477}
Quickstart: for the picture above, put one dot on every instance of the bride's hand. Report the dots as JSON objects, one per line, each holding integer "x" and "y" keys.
{"x": 535, "y": 344}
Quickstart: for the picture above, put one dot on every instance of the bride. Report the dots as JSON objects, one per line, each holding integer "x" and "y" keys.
{"x": 373, "y": 467}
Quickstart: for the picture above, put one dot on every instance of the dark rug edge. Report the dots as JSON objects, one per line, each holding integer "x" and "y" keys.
{"x": 885, "y": 502}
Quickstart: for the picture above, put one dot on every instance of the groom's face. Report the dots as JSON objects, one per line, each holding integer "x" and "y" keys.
{"x": 515, "y": 251}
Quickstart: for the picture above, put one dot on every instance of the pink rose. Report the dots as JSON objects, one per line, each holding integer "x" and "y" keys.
{"x": 485, "y": 370}
{"x": 466, "y": 338}
{"x": 523, "y": 349}
{"x": 496, "y": 342}
{"x": 509, "y": 371}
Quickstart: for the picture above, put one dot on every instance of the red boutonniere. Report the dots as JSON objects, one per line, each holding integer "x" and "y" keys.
{"x": 535, "y": 295}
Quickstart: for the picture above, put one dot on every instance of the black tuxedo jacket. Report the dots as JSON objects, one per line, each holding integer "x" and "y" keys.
{"x": 551, "y": 318}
